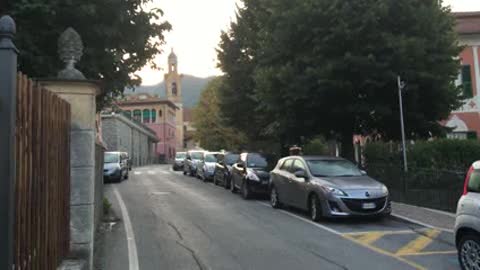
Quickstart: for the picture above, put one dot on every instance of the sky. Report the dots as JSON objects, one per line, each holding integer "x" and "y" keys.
{"x": 197, "y": 25}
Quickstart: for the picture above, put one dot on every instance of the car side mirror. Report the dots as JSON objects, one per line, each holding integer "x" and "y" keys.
{"x": 363, "y": 172}
{"x": 300, "y": 174}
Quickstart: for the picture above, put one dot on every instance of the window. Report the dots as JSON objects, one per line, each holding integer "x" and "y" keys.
{"x": 298, "y": 166}
{"x": 197, "y": 155}
{"x": 210, "y": 158}
{"x": 287, "y": 164}
{"x": 256, "y": 160}
{"x": 128, "y": 113}
{"x": 137, "y": 115}
{"x": 333, "y": 168}
{"x": 146, "y": 116}
{"x": 111, "y": 158}
{"x": 174, "y": 89}
{"x": 154, "y": 116}
{"x": 231, "y": 159}
{"x": 467, "y": 82}
{"x": 474, "y": 181}
{"x": 159, "y": 113}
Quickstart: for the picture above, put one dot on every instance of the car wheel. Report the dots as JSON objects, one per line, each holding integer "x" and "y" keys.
{"x": 469, "y": 252}
{"x": 315, "y": 208}
{"x": 227, "y": 182}
{"x": 215, "y": 182}
{"x": 184, "y": 172}
{"x": 246, "y": 193}
{"x": 126, "y": 176}
{"x": 274, "y": 199}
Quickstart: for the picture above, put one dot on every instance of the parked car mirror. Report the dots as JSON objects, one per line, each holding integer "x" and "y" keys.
{"x": 300, "y": 174}
{"x": 363, "y": 172}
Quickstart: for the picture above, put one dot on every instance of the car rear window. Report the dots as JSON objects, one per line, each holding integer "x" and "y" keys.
{"x": 231, "y": 159}
{"x": 474, "y": 181}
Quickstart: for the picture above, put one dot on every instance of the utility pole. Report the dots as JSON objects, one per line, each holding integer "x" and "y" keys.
{"x": 401, "y": 87}
{"x": 8, "y": 104}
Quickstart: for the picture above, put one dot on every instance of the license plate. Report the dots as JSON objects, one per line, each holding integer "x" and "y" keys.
{"x": 368, "y": 206}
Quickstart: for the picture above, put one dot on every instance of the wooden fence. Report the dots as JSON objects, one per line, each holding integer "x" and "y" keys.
{"x": 42, "y": 187}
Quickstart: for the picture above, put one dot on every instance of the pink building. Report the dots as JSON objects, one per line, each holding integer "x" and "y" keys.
{"x": 159, "y": 115}
{"x": 465, "y": 121}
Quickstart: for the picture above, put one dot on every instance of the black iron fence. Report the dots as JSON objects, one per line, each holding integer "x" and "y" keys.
{"x": 438, "y": 189}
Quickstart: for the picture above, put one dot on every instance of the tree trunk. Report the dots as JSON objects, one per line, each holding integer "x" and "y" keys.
{"x": 347, "y": 150}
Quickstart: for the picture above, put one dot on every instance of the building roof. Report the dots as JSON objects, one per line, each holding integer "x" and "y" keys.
{"x": 187, "y": 115}
{"x": 468, "y": 23}
{"x": 142, "y": 99}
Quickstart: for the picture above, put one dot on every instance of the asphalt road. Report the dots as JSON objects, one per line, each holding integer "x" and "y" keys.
{"x": 171, "y": 221}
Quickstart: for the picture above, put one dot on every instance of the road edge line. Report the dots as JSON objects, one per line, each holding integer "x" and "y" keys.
{"x": 131, "y": 244}
{"x": 414, "y": 221}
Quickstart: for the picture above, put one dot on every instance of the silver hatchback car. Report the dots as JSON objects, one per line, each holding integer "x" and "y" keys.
{"x": 327, "y": 187}
{"x": 467, "y": 222}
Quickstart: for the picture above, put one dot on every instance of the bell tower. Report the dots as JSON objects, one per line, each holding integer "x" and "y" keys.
{"x": 173, "y": 88}
{"x": 173, "y": 79}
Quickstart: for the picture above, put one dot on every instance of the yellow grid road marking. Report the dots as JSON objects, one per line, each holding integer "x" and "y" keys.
{"x": 431, "y": 253}
{"x": 386, "y": 232}
{"x": 418, "y": 244}
{"x": 369, "y": 238}
{"x": 386, "y": 253}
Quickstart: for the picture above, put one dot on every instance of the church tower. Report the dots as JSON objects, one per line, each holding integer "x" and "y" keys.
{"x": 173, "y": 87}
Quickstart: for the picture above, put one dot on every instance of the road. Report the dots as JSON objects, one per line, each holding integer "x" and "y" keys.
{"x": 171, "y": 221}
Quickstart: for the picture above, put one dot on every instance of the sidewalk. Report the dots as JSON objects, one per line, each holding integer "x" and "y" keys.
{"x": 424, "y": 216}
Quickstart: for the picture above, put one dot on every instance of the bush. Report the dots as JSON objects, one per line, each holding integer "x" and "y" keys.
{"x": 443, "y": 154}
{"x": 317, "y": 146}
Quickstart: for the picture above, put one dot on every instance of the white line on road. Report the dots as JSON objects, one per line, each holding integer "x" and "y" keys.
{"x": 137, "y": 173}
{"x": 131, "y": 244}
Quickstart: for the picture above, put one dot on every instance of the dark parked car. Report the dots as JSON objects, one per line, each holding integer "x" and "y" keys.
{"x": 250, "y": 175}
{"x": 327, "y": 187}
{"x": 223, "y": 168}
{"x": 115, "y": 166}
{"x": 206, "y": 167}
{"x": 191, "y": 162}
{"x": 179, "y": 160}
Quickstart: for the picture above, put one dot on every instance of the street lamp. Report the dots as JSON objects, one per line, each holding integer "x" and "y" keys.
{"x": 401, "y": 86}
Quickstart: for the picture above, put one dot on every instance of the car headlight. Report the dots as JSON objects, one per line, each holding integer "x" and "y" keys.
{"x": 252, "y": 175}
{"x": 384, "y": 190}
{"x": 335, "y": 191}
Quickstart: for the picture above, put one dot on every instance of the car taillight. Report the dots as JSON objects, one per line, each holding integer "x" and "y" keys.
{"x": 467, "y": 178}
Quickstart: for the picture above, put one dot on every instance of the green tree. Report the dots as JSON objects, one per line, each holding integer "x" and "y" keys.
{"x": 330, "y": 67}
{"x": 211, "y": 131}
{"x": 120, "y": 37}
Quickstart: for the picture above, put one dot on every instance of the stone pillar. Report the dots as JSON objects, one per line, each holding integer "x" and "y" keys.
{"x": 81, "y": 96}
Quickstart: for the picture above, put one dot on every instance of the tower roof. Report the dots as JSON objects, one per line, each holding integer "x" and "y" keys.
{"x": 172, "y": 58}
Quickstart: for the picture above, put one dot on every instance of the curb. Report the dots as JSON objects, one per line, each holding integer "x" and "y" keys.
{"x": 414, "y": 221}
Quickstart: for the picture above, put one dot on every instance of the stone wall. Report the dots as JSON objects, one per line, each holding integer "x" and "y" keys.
{"x": 125, "y": 135}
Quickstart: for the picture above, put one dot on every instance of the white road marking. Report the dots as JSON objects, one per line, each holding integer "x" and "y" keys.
{"x": 137, "y": 173}
{"x": 151, "y": 172}
{"x": 306, "y": 220}
{"x": 131, "y": 244}
{"x": 161, "y": 193}
{"x": 431, "y": 210}
{"x": 418, "y": 222}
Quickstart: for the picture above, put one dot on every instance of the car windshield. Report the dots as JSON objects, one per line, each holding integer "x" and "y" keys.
{"x": 333, "y": 168}
{"x": 180, "y": 156}
{"x": 210, "y": 158}
{"x": 197, "y": 155}
{"x": 231, "y": 159}
{"x": 256, "y": 160}
{"x": 111, "y": 158}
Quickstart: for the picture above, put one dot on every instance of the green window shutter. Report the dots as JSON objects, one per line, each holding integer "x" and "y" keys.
{"x": 128, "y": 114}
{"x": 154, "y": 116}
{"x": 467, "y": 81}
{"x": 137, "y": 115}
{"x": 146, "y": 116}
